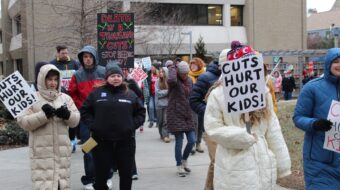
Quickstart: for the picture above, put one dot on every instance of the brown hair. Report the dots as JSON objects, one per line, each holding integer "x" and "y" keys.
{"x": 105, "y": 83}
{"x": 162, "y": 82}
{"x": 197, "y": 61}
{"x": 60, "y": 47}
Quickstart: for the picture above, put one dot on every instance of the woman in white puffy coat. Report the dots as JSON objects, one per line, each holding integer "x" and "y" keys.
{"x": 48, "y": 121}
{"x": 246, "y": 161}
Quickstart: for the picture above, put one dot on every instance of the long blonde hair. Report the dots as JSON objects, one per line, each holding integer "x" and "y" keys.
{"x": 162, "y": 82}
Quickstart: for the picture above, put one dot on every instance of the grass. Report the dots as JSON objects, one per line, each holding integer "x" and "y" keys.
{"x": 294, "y": 140}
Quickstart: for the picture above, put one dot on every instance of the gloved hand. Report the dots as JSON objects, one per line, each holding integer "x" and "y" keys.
{"x": 322, "y": 125}
{"x": 48, "y": 110}
{"x": 63, "y": 112}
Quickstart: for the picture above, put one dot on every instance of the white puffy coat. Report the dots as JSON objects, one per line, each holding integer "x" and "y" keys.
{"x": 241, "y": 161}
{"x": 50, "y": 147}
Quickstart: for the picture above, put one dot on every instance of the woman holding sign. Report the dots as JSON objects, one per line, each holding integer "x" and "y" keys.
{"x": 48, "y": 121}
{"x": 245, "y": 161}
{"x": 321, "y": 153}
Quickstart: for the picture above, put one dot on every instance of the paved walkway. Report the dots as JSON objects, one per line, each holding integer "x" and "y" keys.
{"x": 155, "y": 163}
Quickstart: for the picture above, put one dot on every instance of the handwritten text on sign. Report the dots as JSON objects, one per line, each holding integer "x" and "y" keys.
{"x": 16, "y": 94}
{"x": 139, "y": 75}
{"x": 332, "y": 137}
{"x": 244, "y": 84}
{"x": 116, "y": 38}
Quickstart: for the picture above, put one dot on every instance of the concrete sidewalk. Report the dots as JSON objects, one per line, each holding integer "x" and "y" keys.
{"x": 155, "y": 163}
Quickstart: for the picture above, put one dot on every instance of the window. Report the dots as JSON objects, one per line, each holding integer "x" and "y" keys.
{"x": 0, "y": 37}
{"x": 18, "y": 24}
{"x": 2, "y": 68}
{"x": 19, "y": 65}
{"x": 179, "y": 14}
{"x": 236, "y": 15}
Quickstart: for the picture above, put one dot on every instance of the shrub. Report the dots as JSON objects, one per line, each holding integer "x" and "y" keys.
{"x": 13, "y": 134}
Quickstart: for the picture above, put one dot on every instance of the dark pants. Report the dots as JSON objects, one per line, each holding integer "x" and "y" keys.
{"x": 73, "y": 133}
{"x": 88, "y": 160}
{"x": 287, "y": 95}
{"x": 105, "y": 154}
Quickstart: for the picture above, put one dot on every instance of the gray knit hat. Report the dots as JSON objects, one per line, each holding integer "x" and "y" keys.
{"x": 183, "y": 67}
{"x": 113, "y": 68}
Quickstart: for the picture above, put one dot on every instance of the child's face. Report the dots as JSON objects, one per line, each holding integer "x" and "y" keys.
{"x": 52, "y": 82}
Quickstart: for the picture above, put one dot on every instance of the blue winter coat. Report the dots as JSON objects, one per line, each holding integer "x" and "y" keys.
{"x": 321, "y": 166}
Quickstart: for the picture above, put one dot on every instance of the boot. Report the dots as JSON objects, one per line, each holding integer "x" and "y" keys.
{"x": 180, "y": 171}
{"x": 185, "y": 166}
{"x": 199, "y": 148}
{"x": 193, "y": 151}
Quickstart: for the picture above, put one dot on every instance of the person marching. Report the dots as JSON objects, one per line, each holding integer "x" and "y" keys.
{"x": 48, "y": 121}
{"x": 321, "y": 166}
{"x": 197, "y": 68}
{"x": 179, "y": 114}
{"x": 245, "y": 161}
{"x": 113, "y": 112}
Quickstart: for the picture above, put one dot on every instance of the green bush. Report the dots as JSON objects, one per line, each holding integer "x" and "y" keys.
{"x": 13, "y": 134}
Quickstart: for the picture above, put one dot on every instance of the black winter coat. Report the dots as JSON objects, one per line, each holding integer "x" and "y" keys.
{"x": 288, "y": 84}
{"x": 113, "y": 113}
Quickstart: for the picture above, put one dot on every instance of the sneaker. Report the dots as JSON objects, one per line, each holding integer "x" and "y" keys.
{"x": 180, "y": 171}
{"x": 74, "y": 145}
{"x": 166, "y": 139}
{"x": 150, "y": 124}
{"x": 109, "y": 183}
{"x": 89, "y": 186}
{"x": 134, "y": 177}
{"x": 185, "y": 166}
{"x": 193, "y": 151}
{"x": 199, "y": 148}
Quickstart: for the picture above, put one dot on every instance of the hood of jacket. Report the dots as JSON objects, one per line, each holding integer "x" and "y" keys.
{"x": 49, "y": 95}
{"x": 213, "y": 68}
{"x": 332, "y": 54}
{"x": 88, "y": 49}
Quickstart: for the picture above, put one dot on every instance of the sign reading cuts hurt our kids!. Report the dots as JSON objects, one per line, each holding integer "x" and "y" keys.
{"x": 244, "y": 84}
{"x": 332, "y": 137}
{"x": 16, "y": 94}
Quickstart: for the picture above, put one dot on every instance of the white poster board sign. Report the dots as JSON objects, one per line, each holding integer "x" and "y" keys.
{"x": 244, "y": 84}
{"x": 138, "y": 63}
{"x": 147, "y": 63}
{"x": 16, "y": 94}
{"x": 332, "y": 137}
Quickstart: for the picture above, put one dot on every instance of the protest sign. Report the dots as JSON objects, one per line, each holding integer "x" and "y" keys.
{"x": 332, "y": 137}
{"x": 138, "y": 63}
{"x": 244, "y": 84}
{"x": 116, "y": 38}
{"x": 147, "y": 63}
{"x": 16, "y": 94}
{"x": 138, "y": 75}
{"x": 66, "y": 76}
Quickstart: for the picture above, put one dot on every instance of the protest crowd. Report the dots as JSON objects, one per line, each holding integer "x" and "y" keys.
{"x": 230, "y": 103}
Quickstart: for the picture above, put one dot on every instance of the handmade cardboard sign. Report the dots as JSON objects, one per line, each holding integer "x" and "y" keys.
{"x": 16, "y": 94}
{"x": 244, "y": 84}
{"x": 332, "y": 137}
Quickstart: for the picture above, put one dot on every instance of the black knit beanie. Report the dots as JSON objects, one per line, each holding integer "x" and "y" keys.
{"x": 113, "y": 68}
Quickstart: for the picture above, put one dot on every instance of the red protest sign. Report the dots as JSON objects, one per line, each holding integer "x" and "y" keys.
{"x": 138, "y": 74}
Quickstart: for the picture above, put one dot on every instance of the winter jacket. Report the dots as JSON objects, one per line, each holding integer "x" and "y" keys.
{"x": 67, "y": 69}
{"x": 288, "y": 84}
{"x": 241, "y": 161}
{"x": 49, "y": 143}
{"x": 278, "y": 83}
{"x": 161, "y": 97}
{"x": 83, "y": 80}
{"x": 179, "y": 113}
{"x": 204, "y": 82}
{"x": 321, "y": 166}
{"x": 112, "y": 113}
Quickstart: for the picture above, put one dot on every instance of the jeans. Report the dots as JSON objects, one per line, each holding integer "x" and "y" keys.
{"x": 191, "y": 137}
{"x": 107, "y": 153}
{"x": 287, "y": 95}
{"x": 152, "y": 109}
{"x": 88, "y": 159}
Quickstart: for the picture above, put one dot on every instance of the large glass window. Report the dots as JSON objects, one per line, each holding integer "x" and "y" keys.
{"x": 180, "y": 14}
{"x": 0, "y": 37}
{"x": 20, "y": 67}
{"x": 236, "y": 15}
{"x": 18, "y": 24}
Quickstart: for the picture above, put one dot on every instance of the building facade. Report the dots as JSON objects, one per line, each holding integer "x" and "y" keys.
{"x": 29, "y": 31}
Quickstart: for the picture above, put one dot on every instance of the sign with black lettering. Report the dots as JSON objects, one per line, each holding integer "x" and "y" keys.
{"x": 16, "y": 94}
{"x": 244, "y": 84}
{"x": 116, "y": 38}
